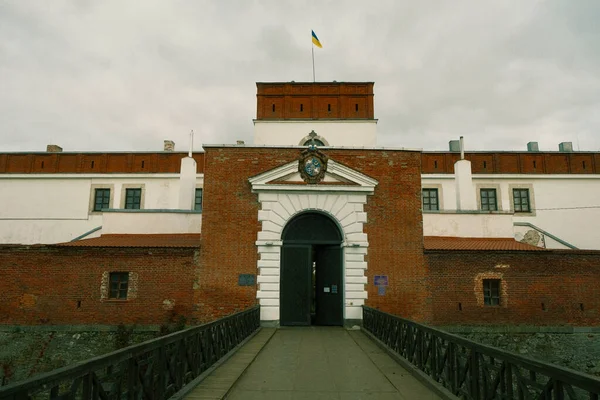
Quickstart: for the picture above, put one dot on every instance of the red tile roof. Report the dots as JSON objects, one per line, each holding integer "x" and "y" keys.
{"x": 458, "y": 243}
{"x": 154, "y": 240}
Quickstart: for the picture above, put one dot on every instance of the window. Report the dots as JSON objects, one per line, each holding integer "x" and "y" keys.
{"x": 118, "y": 285}
{"x": 521, "y": 200}
{"x": 198, "y": 200}
{"x": 491, "y": 292}
{"x": 488, "y": 200}
{"x": 133, "y": 199}
{"x": 430, "y": 200}
{"x": 101, "y": 199}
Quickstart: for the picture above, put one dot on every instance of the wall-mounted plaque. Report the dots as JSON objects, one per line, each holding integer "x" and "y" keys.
{"x": 246, "y": 280}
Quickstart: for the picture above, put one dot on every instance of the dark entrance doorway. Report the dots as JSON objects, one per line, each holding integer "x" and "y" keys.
{"x": 311, "y": 288}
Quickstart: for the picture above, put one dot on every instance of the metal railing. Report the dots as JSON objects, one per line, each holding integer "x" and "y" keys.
{"x": 155, "y": 369}
{"x": 471, "y": 370}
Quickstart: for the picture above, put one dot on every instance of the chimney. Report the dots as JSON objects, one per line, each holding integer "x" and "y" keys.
{"x": 463, "y": 178}
{"x": 454, "y": 145}
{"x": 187, "y": 183}
{"x": 533, "y": 146}
{"x": 169, "y": 145}
{"x": 565, "y": 147}
{"x": 53, "y": 148}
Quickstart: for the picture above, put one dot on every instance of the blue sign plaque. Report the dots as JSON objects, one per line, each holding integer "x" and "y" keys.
{"x": 246, "y": 280}
{"x": 380, "y": 280}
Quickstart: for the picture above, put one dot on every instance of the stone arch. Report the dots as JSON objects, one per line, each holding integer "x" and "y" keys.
{"x": 278, "y": 209}
{"x": 305, "y": 141}
{"x": 311, "y": 272}
{"x": 328, "y": 228}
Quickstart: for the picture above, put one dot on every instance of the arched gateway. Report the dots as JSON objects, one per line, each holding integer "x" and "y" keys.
{"x": 312, "y": 286}
{"x": 305, "y": 225}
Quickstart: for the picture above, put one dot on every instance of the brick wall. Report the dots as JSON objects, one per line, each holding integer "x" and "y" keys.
{"x": 230, "y": 226}
{"x": 307, "y": 100}
{"x": 514, "y": 163}
{"x": 58, "y": 286}
{"x": 94, "y": 163}
{"x": 538, "y": 288}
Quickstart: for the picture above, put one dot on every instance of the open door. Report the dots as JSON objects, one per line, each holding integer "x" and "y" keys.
{"x": 329, "y": 290}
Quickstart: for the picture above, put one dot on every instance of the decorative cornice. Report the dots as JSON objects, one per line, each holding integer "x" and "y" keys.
{"x": 358, "y": 182}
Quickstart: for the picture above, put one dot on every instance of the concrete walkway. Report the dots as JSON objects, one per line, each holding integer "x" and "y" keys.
{"x": 314, "y": 363}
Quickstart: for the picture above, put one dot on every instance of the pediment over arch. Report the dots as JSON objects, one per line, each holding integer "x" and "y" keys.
{"x": 338, "y": 177}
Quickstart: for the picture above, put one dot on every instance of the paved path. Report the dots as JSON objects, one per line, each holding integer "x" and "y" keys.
{"x": 312, "y": 363}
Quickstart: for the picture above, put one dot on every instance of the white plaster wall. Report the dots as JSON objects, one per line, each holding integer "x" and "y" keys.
{"x": 56, "y": 208}
{"x": 544, "y": 242}
{"x": 277, "y": 209}
{"x": 46, "y": 231}
{"x": 44, "y": 198}
{"x": 563, "y": 208}
{"x": 337, "y": 133}
{"x": 151, "y": 222}
{"x": 567, "y": 206}
{"x": 468, "y": 225}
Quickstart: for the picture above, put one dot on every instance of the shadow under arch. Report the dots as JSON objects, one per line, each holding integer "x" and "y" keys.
{"x": 311, "y": 283}
{"x": 313, "y": 227}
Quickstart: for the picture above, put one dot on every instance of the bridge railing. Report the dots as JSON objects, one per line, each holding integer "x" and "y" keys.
{"x": 155, "y": 369}
{"x": 475, "y": 371}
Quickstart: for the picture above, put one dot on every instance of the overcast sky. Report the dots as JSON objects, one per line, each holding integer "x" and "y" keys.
{"x": 125, "y": 75}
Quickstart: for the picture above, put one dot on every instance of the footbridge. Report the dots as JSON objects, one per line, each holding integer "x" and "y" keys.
{"x": 234, "y": 358}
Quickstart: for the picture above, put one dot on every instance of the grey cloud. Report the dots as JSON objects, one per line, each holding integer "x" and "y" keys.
{"x": 117, "y": 75}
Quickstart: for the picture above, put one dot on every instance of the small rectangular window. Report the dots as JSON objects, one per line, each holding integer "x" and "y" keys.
{"x": 198, "y": 200}
{"x": 301, "y": 107}
{"x": 430, "y": 200}
{"x": 491, "y": 292}
{"x": 521, "y": 200}
{"x": 356, "y": 107}
{"x": 328, "y": 107}
{"x": 119, "y": 282}
{"x": 133, "y": 199}
{"x": 488, "y": 200}
{"x": 101, "y": 199}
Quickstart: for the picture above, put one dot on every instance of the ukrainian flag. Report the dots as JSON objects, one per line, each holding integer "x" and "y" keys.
{"x": 315, "y": 40}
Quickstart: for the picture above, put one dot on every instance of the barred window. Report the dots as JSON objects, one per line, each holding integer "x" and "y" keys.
{"x": 491, "y": 292}
{"x": 198, "y": 200}
{"x": 521, "y": 200}
{"x": 430, "y": 200}
{"x": 133, "y": 199}
{"x": 101, "y": 199}
{"x": 119, "y": 282}
{"x": 488, "y": 200}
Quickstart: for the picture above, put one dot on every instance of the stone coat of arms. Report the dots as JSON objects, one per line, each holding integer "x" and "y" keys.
{"x": 312, "y": 165}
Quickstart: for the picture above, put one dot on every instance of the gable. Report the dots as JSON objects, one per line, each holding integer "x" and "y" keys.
{"x": 338, "y": 177}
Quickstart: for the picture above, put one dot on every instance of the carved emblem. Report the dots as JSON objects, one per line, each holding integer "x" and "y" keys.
{"x": 312, "y": 165}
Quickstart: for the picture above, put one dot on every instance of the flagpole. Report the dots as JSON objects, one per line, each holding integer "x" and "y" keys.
{"x": 313, "y": 60}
